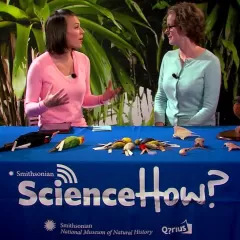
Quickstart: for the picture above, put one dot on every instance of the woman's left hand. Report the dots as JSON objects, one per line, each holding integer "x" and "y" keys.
{"x": 110, "y": 92}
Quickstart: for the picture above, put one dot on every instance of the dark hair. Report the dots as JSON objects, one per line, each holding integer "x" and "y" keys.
{"x": 190, "y": 19}
{"x": 55, "y": 29}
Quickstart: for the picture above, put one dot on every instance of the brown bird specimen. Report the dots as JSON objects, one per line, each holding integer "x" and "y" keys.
{"x": 236, "y": 110}
{"x": 198, "y": 143}
{"x": 236, "y": 107}
{"x": 231, "y": 146}
{"x": 182, "y": 133}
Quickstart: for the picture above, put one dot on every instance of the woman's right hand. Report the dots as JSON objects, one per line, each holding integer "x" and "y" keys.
{"x": 57, "y": 99}
{"x": 159, "y": 124}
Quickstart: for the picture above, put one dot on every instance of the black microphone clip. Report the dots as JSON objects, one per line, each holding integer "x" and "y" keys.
{"x": 73, "y": 75}
{"x": 175, "y": 76}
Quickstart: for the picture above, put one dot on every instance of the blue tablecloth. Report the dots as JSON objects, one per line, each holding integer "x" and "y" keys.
{"x": 85, "y": 194}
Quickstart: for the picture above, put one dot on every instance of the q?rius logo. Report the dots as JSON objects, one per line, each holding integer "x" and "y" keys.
{"x": 183, "y": 228}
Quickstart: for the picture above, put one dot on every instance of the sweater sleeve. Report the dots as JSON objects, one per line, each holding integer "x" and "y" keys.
{"x": 160, "y": 102}
{"x": 90, "y": 100}
{"x": 34, "y": 107}
{"x": 212, "y": 85}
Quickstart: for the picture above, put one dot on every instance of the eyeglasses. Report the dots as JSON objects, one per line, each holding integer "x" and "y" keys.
{"x": 169, "y": 27}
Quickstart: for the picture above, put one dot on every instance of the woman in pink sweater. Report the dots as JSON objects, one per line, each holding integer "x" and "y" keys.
{"x": 58, "y": 81}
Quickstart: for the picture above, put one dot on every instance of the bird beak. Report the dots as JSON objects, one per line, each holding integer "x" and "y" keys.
{"x": 81, "y": 139}
{"x": 54, "y": 134}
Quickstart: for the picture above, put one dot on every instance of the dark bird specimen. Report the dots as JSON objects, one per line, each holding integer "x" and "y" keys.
{"x": 29, "y": 140}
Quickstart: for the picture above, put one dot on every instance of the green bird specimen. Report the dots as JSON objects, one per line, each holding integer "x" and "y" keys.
{"x": 68, "y": 142}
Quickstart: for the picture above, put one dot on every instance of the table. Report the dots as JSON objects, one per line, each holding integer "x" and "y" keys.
{"x": 85, "y": 194}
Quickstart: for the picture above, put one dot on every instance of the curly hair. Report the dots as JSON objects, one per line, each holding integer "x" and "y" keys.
{"x": 190, "y": 19}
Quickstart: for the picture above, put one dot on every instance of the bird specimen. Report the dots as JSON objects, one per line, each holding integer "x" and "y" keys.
{"x": 68, "y": 142}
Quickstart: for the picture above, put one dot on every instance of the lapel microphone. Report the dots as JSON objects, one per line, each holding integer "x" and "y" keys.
{"x": 73, "y": 75}
{"x": 175, "y": 76}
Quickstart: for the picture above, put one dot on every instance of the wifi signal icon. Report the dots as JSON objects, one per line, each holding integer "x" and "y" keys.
{"x": 66, "y": 174}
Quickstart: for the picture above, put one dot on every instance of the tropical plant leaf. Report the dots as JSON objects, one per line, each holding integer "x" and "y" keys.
{"x": 4, "y": 24}
{"x": 13, "y": 11}
{"x": 95, "y": 83}
{"x": 212, "y": 19}
{"x": 82, "y": 10}
{"x": 125, "y": 20}
{"x": 39, "y": 37}
{"x": 236, "y": 87}
{"x": 120, "y": 111}
{"x": 104, "y": 112}
{"x": 222, "y": 63}
{"x": 63, "y": 3}
{"x": 97, "y": 112}
{"x": 5, "y": 106}
{"x": 133, "y": 4}
{"x": 103, "y": 11}
{"x": 219, "y": 41}
{"x": 231, "y": 48}
{"x": 40, "y": 3}
{"x": 161, "y": 5}
{"x": 57, "y": 4}
{"x": 122, "y": 76}
{"x": 107, "y": 34}
{"x": 150, "y": 121}
{"x": 20, "y": 60}
{"x": 203, "y": 6}
{"x": 118, "y": 16}
{"x": 100, "y": 65}
{"x": 42, "y": 12}
{"x": 24, "y": 4}
{"x": 129, "y": 26}
{"x": 30, "y": 12}
{"x": 130, "y": 115}
{"x": 231, "y": 24}
{"x": 100, "y": 19}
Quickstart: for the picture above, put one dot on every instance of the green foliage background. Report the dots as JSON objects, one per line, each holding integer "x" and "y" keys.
{"x": 124, "y": 42}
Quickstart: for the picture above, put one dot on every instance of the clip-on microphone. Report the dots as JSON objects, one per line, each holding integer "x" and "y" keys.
{"x": 175, "y": 76}
{"x": 73, "y": 75}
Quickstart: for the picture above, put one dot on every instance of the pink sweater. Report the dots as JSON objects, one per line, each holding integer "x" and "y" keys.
{"x": 42, "y": 73}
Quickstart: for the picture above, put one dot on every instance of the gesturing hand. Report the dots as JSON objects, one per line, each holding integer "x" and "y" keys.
{"x": 57, "y": 99}
{"x": 110, "y": 92}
